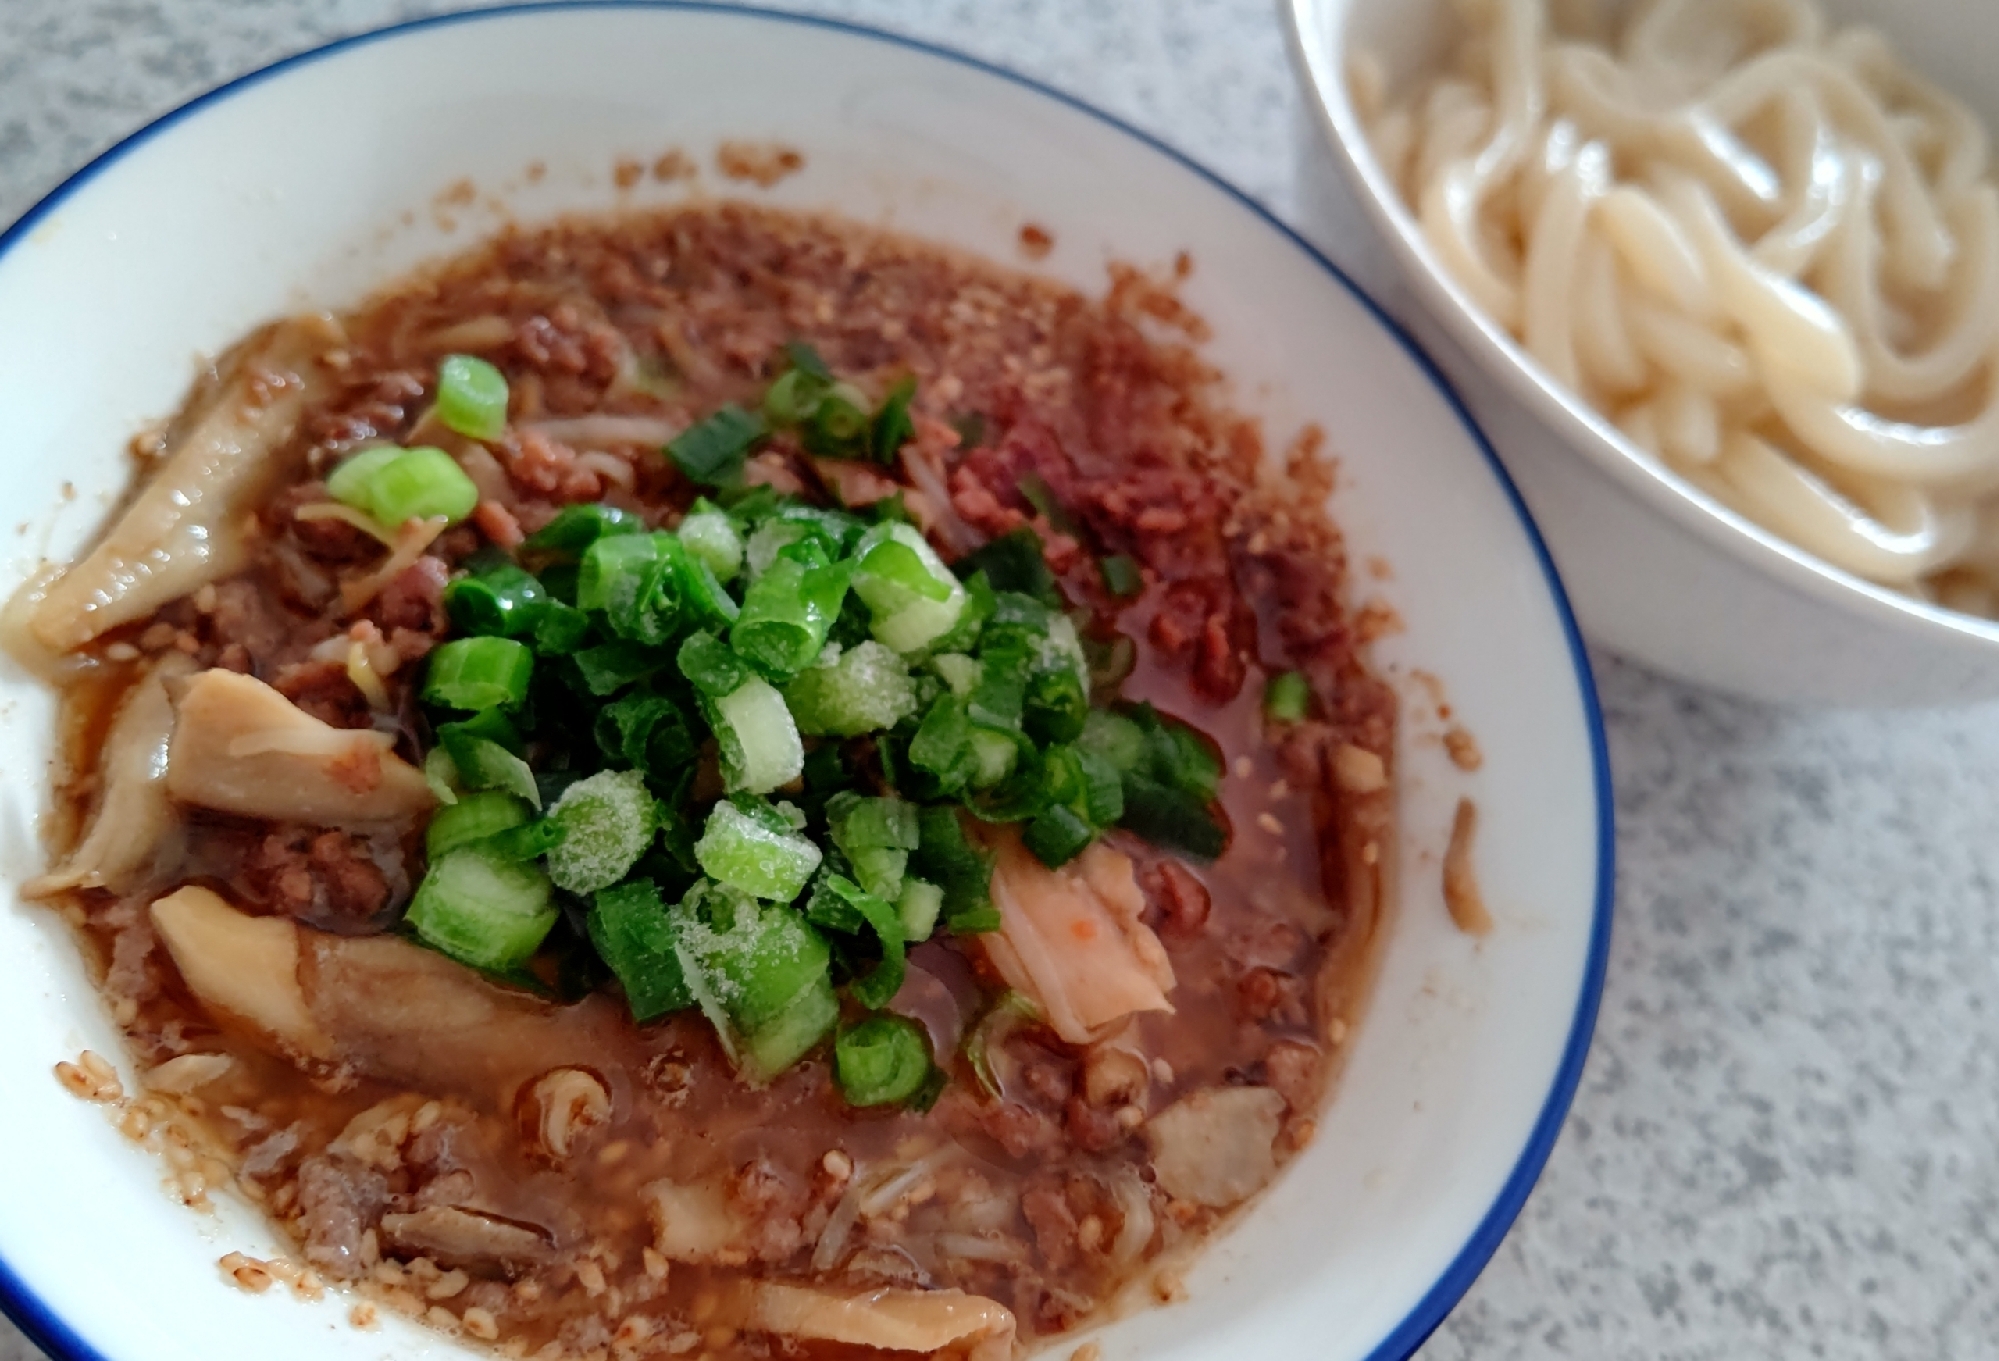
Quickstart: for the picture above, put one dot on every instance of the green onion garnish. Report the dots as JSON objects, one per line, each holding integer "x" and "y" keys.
{"x": 575, "y": 528}
{"x": 838, "y": 426}
{"x": 839, "y": 904}
{"x": 945, "y": 857}
{"x": 1057, "y": 835}
{"x": 884, "y": 1059}
{"x": 478, "y": 673}
{"x": 919, "y": 905}
{"x": 502, "y": 601}
{"x": 1041, "y": 496}
{"x": 806, "y": 360}
{"x": 1122, "y": 577}
{"x": 634, "y": 935}
{"x": 609, "y": 667}
{"x": 608, "y": 822}
{"x": 788, "y": 611}
{"x": 472, "y": 397}
{"x": 1014, "y": 562}
{"x": 876, "y": 835}
{"x": 711, "y": 538}
{"x": 759, "y": 742}
{"x": 711, "y": 451}
{"x": 892, "y": 426}
{"x": 421, "y": 484}
{"x": 759, "y": 973}
{"x": 711, "y": 665}
{"x": 866, "y": 688}
{"x": 473, "y": 818}
{"x": 1287, "y": 697}
{"x": 482, "y": 910}
{"x": 751, "y": 847}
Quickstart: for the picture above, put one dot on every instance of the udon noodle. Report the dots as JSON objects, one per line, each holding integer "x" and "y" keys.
{"x": 1762, "y": 247}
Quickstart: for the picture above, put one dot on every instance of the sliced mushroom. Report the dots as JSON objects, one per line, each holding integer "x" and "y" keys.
{"x": 569, "y": 1103}
{"x": 243, "y": 968}
{"x": 926, "y": 1321}
{"x": 1071, "y": 939}
{"x": 1215, "y": 1146}
{"x": 182, "y": 530}
{"x": 133, "y": 816}
{"x": 241, "y": 747}
{"x": 454, "y": 1237}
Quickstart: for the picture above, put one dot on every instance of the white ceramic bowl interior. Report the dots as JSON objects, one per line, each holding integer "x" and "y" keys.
{"x": 1659, "y": 571}
{"x": 258, "y": 199}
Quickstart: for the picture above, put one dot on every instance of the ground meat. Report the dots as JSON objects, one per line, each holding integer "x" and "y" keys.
{"x": 415, "y": 599}
{"x": 1048, "y": 1214}
{"x": 330, "y": 879}
{"x": 247, "y": 617}
{"x": 1181, "y": 900}
{"x": 1091, "y": 1129}
{"x": 324, "y": 690}
{"x": 334, "y": 542}
{"x": 339, "y": 1200}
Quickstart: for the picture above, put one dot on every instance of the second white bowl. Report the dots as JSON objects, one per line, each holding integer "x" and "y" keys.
{"x": 1658, "y": 571}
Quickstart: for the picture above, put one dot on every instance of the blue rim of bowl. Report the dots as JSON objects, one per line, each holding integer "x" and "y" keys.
{"x": 57, "y": 1338}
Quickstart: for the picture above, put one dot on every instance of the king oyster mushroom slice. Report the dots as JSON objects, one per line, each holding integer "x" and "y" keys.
{"x": 183, "y": 528}
{"x": 241, "y": 747}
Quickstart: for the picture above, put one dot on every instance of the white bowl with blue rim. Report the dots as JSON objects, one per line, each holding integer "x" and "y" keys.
{"x": 323, "y": 176}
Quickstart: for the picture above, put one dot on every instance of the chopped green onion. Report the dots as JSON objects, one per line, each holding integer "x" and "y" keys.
{"x": 959, "y": 672}
{"x": 876, "y": 835}
{"x": 759, "y": 973}
{"x": 980, "y": 603}
{"x": 1101, "y": 798}
{"x": 1057, "y": 835}
{"x": 945, "y": 857}
{"x": 575, "y": 528}
{"x": 419, "y": 484}
{"x": 883, "y": 1060}
{"x": 942, "y": 745}
{"x": 913, "y": 596}
{"x": 634, "y": 935}
{"x": 503, "y": 601}
{"x": 529, "y": 841}
{"x": 892, "y": 426}
{"x": 612, "y": 570}
{"x": 769, "y": 539}
{"x": 1287, "y": 697}
{"x": 711, "y": 665}
{"x": 760, "y": 746}
{"x": 994, "y": 756}
{"x": 701, "y": 593}
{"x": 865, "y": 688}
{"x": 608, "y": 821}
{"x": 352, "y": 481}
{"x": 839, "y": 904}
{"x": 610, "y": 667}
{"x": 472, "y": 397}
{"x": 757, "y": 851}
{"x": 804, "y": 359}
{"x": 1115, "y": 738}
{"x": 838, "y": 425}
{"x": 485, "y": 750}
{"x": 473, "y": 818}
{"x": 793, "y": 398}
{"x": 996, "y": 702}
{"x": 440, "y": 772}
{"x": 1121, "y": 575}
{"x": 919, "y": 906}
{"x": 711, "y": 451}
{"x": 988, "y": 1036}
{"x": 1172, "y": 818}
{"x": 1057, "y": 700}
{"x": 478, "y": 673}
{"x": 647, "y": 732}
{"x": 482, "y": 910}
{"x": 1041, "y": 496}
{"x": 711, "y": 537}
{"x": 787, "y": 613}
{"x": 1014, "y": 562}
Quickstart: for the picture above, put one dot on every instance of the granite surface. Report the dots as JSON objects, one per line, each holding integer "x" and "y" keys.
{"x": 1787, "y": 1138}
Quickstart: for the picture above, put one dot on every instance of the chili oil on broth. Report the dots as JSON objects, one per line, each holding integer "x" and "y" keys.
{"x": 1046, "y": 1198}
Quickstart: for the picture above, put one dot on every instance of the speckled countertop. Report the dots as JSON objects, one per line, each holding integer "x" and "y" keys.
{"x": 1787, "y": 1138}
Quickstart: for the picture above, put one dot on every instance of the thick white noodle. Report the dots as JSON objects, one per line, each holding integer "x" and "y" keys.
{"x": 1762, "y": 246}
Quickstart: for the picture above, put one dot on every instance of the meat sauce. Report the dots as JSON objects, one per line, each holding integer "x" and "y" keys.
{"x": 565, "y": 1183}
